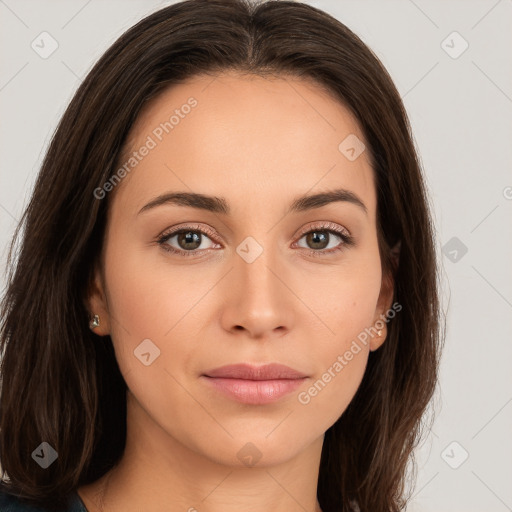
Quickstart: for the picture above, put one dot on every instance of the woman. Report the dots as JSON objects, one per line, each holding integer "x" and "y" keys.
{"x": 225, "y": 297}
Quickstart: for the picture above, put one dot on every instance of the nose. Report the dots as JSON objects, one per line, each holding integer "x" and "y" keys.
{"x": 258, "y": 302}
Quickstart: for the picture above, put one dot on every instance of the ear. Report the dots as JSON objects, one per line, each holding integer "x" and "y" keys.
{"x": 96, "y": 304}
{"x": 385, "y": 300}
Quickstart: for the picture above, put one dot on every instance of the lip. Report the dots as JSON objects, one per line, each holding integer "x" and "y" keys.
{"x": 255, "y": 384}
{"x": 253, "y": 372}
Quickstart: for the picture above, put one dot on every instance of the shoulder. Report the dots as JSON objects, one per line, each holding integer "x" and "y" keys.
{"x": 11, "y": 503}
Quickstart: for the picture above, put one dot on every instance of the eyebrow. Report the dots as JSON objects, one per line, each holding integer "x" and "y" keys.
{"x": 220, "y": 205}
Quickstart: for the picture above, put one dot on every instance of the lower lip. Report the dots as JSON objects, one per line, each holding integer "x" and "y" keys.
{"x": 255, "y": 392}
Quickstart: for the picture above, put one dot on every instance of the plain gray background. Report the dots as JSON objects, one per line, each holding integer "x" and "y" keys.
{"x": 460, "y": 104}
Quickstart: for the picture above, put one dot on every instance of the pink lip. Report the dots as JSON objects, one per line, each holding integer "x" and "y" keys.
{"x": 251, "y": 372}
{"x": 255, "y": 384}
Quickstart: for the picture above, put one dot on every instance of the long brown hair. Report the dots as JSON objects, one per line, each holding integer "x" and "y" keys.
{"x": 62, "y": 387}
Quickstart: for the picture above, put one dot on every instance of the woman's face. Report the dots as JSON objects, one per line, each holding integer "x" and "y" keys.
{"x": 248, "y": 284}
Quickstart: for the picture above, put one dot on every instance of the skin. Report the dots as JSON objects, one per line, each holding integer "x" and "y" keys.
{"x": 259, "y": 143}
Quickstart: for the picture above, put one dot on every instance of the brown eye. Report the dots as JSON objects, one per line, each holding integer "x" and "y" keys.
{"x": 186, "y": 241}
{"x": 326, "y": 239}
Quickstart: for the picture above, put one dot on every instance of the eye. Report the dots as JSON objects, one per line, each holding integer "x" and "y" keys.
{"x": 321, "y": 238}
{"x": 189, "y": 240}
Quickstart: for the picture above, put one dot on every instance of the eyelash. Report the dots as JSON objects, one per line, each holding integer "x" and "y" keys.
{"x": 329, "y": 227}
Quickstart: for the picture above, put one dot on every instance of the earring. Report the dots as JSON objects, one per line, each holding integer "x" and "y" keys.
{"x": 379, "y": 333}
{"x": 95, "y": 322}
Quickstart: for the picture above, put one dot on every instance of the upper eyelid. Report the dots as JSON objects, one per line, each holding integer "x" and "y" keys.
{"x": 324, "y": 226}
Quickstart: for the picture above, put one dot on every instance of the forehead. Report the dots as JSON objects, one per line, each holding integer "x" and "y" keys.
{"x": 233, "y": 134}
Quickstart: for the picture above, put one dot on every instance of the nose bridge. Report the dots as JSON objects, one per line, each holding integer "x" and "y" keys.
{"x": 255, "y": 268}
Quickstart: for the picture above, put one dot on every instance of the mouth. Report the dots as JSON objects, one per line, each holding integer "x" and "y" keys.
{"x": 255, "y": 385}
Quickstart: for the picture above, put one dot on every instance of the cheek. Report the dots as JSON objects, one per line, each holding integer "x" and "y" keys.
{"x": 346, "y": 298}
{"x": 147, "y": 295}
{"x": 341, "y": 361}
{"x": 138, "y": 306}
{"x": 151, "y": 299}
{"x": 348, "y": 306}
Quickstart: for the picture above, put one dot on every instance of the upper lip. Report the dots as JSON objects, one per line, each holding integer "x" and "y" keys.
{"x": 251, "y": 372}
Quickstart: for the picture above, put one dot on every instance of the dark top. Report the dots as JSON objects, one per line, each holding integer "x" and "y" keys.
{"x": 11, "y": 503}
